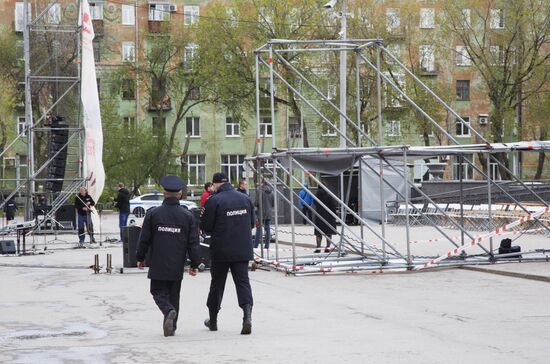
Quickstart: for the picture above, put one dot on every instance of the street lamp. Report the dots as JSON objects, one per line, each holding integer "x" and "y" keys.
{"x": 343, "y": 68}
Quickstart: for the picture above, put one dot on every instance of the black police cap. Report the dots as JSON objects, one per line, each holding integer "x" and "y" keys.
{"x": 172, "y": 183}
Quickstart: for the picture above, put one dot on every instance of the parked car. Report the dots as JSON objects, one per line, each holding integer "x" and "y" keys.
{"x": 140, "y": 204}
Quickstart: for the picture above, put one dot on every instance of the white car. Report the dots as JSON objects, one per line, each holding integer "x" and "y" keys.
{"x": 140, "y": 204}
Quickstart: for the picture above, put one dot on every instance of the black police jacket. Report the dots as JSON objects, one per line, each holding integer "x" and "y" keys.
{"x": 171, "y": 233}
{"x": 123, "y": 200}
{"x": 228, "y": 218}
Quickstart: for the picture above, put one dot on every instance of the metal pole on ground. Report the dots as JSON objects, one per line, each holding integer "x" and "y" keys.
{"x": 489, "y": 202}
{"x": 461, "y": 178}
{"x": 380, "y": 142}
{"x": 275, "y": 207}
{"x": 407, "y": 227}
{"x": 291, "y": 197}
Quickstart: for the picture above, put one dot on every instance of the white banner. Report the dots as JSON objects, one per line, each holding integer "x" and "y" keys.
{"x": 93, "y": 152}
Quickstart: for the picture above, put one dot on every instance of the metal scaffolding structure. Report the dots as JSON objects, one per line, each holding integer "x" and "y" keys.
{"x": 353, "y": 252}
{"x": 52, "y": 79}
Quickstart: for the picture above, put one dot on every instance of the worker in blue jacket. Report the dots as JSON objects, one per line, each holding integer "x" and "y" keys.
{"x": 305, "y": 202}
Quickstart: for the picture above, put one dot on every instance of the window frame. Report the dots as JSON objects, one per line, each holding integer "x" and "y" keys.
{"x": 162, "y": 128}
{"x": 96, "y": 10}
{"x": 462, "y": 85}
{"x": 235, "y": 128}
{"x": 465, "y": 131}
{"x": 194, "y": 168}
{"x": 393, "y": 20}
{"x": 158, "y": 14}
{"x": 267, "y": 126}
{"x": 191, "y": 14}
{"x": 195, "y": 122}
{"x": 128, "y": 14}
{"x": 496, "y": 18}
{"x": 462, "y": 58}
{"x": 19, "y": 18}
{"x": 424, "y": 51}
{"x": 390, "y": 127}
{"x": 227, "y": 166}
{"x": 128, "y": 49}
{"x": 427, "y": 18}
{"x": 21, "y": 125}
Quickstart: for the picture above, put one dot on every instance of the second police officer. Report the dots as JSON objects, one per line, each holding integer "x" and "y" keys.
{"x": 228, "y": 217}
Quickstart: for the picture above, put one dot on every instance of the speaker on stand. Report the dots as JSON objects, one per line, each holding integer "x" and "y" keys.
{"x": 59, "y": 136}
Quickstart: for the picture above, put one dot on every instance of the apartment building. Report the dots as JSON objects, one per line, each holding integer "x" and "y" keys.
{"x": 126, "y": 29}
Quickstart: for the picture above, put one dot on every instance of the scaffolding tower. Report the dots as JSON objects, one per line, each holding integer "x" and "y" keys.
{"x": 53, "y": 133}
{"x": 353, "y": 250}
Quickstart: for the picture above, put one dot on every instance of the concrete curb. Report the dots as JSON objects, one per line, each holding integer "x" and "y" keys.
{"x": 532, "y": 277}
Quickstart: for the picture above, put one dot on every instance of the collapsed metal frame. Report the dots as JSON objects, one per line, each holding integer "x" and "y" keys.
{"x": 38, "y": 25}
{"x": 274, "y": 51}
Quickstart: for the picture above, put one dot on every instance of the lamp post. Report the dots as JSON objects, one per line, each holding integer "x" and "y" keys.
{"x": 343, "y": 68}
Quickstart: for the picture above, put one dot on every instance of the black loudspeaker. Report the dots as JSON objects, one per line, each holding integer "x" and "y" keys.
{"x": 59, "y": 136}
{"x": 130, "y": 239}
{"x": 7, "y": 247}
{"x": 66, "y": 217}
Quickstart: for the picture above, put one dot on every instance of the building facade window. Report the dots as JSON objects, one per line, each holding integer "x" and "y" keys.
{"x": 497, "y": 55}
{"x": 128, "y": 89}
{"x": 194, "y": 93}
{"x": 128, "y": 15}
{"x": 395, "y": 49}
{"x": 427, "y": 58}
{"x": 21, "y": 126}
{"x": 427, "y": 18}
{"x": 232, "y": 166}
{"x": 496, "y": 18}
{"x": 190, "y": 14}
{"x": 53, "y": 16}
{"x": 462, "y": 127}
{"x": 129, "y": 125}
{"x": 19, "y": 20}
{"x": 196, "y": 169}
{"x": 193, "y": 126}
{"x": 331, "y": 90}
{"x": 128, "y": 51}
{"x": 327, "y": 130}
{"x": 294, "y": 128}
{"x": 96, "y": 10}
{"x": 463, "y": 90}
{"x": 159, "y": 126}
{"x": 97, "y": 50}
{"x": 462, "y": 56}
{"x": 467, "y": 168}
{"x": 393, "y": 20}
{"x": 189, "y": 55}
{"x": 232, "y": 128}
{"x": 266, "y": 127}
{"x": 465, "y": 19}
{"x": 392, "y": 97}
{"x": 393, "y": 128}
{"x": 159, "y": 12}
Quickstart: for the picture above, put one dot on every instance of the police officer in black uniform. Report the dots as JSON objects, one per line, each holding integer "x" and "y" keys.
{"x": 170, "y": 233}
{"x": 228, "y": 218}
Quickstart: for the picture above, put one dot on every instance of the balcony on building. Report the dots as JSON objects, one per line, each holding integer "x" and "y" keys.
{"x": 158, "y": 104}
{"x": 159, "y": 27}
{"x": 98, "y": 27}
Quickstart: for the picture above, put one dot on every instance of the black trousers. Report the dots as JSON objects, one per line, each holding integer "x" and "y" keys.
{"x": 239, "y": 271}
{"x": 166, "y": 295}
{"x": 306, "y": 210}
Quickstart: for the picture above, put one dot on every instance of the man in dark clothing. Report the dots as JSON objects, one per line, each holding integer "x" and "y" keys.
{"x": 82, "y": 203}
{"x": 242, "y": 186}
{"x": 264, "y": 212}
{"x": 9, "y": 209}
{"x": 228, "y": 218}
{"x": 122, "y": 202}
{"x": 170, "y": 233}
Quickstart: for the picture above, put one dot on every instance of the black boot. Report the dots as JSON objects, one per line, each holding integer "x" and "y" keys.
{"x": 168, "y": 324}
{"x": 212, "y": 322}
{"x": 247, "y": 320}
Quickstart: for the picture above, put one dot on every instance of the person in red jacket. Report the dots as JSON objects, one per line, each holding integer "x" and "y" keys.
{"x": 207, "y": 193}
